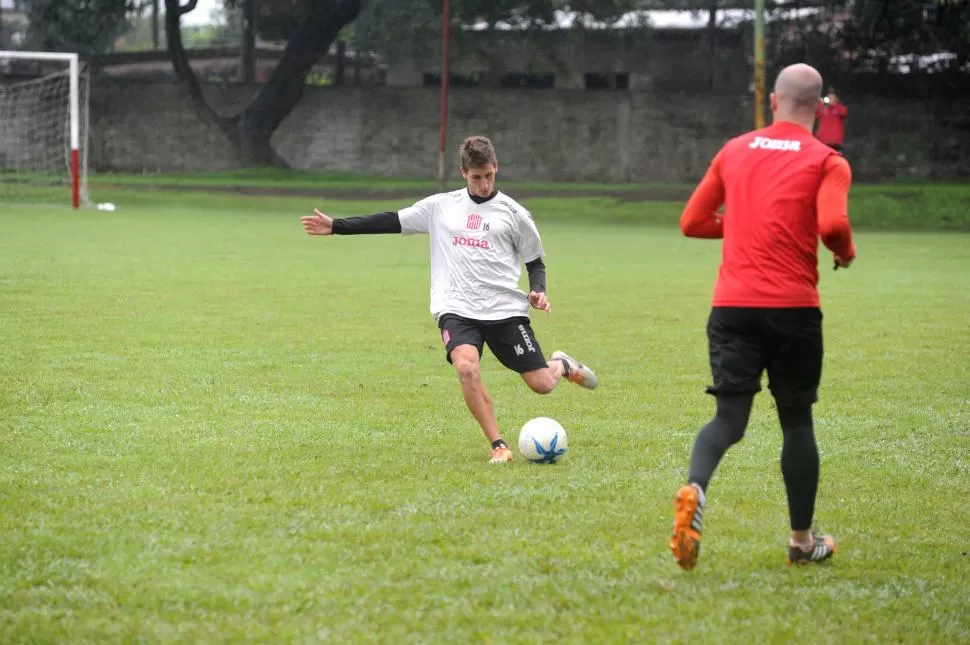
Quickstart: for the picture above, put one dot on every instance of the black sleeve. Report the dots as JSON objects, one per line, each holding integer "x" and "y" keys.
{"x": 537, "y": 275}
{"x": 367, "y": 224}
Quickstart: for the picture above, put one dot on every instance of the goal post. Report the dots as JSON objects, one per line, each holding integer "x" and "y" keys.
{"x": 31, "y": 149}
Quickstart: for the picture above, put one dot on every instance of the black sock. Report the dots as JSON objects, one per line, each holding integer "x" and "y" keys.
{"x": 565, "y": 367}
{"x": 723, "y": 431}
{"x": 799, "y": 463}
{"x": 499, "y": 442}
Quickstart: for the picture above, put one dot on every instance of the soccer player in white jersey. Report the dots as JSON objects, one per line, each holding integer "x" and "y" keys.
{"x": 480, "y": 238}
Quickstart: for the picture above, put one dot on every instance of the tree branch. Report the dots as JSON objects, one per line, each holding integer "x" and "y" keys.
{"x": 183, "y": 69}
{"x": 305, "y": 47}
{"x": 183, "y": 10}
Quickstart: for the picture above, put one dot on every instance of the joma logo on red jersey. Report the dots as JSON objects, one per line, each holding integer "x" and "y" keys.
{"x": 775, "y": 144}
{"x": 469, "y": 241}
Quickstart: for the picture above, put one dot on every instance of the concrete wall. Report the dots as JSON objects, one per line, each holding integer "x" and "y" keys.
{"x": 540, "y": 134}
{"x": 679, "y": 59}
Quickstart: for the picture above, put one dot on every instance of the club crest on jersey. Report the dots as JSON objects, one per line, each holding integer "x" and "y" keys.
{"x": 764, "y": 143}
{"x": 474, "y": 223}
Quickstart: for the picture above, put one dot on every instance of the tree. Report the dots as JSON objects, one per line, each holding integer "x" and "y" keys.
{"x": 893, "y": 46}
{"x": 911, "y": 27}
{"x": 89, "y": 27}
{"x": 250, "y": 130}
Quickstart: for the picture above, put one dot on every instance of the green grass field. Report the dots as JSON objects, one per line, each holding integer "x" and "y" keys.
{"x": 214, "y": 428}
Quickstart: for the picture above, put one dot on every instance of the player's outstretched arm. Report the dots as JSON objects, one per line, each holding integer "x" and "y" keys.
{"x": 321, "y": 224}
{"x": 317, "y": 224}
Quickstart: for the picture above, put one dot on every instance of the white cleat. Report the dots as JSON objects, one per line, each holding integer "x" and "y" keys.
{"x": 578, "y": 373}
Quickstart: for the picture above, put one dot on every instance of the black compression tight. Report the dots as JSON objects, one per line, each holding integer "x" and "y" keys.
{"x": 799, "y": 453}
{"x": 723, "y": 431}
{"x": 799, "y": 462}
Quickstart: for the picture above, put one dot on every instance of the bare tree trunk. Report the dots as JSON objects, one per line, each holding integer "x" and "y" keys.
{"x": 357, "y": 63}
{"x": 155, "y": 25}
{"x": 183, "y": 68}
{"x": 306, "y": 46}
{"x": 250, "y": 131}
{"x": 340, "y": 64}
{"x": 249, "y": 42}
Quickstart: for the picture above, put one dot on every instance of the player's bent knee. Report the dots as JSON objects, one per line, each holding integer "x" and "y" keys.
{"x": 543, "y": 388}
{"x": 540, "y": 381}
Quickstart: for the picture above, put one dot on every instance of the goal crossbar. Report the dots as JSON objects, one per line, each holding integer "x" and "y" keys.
{"x": 74, "y": 99}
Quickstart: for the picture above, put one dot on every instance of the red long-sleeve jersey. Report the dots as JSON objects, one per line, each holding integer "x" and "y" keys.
{"x": 782, "y": 189}
{"x": 831, "y": 124}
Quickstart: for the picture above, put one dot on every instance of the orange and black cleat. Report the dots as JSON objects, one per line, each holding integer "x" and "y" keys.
{"x": 577, "y": 373}
{"x": 822, "y": 549}
{"x": 688, "y": 520}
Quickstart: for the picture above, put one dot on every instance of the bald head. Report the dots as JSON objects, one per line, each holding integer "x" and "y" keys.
{"x": 799, "y": 87}
{"x": 798, "y": 90}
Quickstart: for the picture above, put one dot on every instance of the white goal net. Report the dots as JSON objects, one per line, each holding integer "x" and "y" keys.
{"x": 43, "y": 128}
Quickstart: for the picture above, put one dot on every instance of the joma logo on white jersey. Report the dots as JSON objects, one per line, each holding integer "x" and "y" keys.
{"x": 765, "y": 143}
{"x": 459, "y": 240}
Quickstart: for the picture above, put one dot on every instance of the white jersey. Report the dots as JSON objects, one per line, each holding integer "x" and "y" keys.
{"x": 477, "y": 251}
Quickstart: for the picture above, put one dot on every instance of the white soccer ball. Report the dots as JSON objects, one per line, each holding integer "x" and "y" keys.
{"x": 106, "y": 206}
{"x": 542, "y": 440}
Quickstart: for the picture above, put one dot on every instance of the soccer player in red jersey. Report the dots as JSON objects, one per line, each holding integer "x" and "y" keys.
{"x": 831, "y": 121}
{"x": 782, "y": 189}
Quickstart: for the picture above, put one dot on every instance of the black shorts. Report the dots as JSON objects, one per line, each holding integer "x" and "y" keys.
{"x": 787, "y": 342}
{"x": 511, "y": 340}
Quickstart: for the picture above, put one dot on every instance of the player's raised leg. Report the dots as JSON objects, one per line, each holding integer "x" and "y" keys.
{"x": 514, "y": 343}
{"x": 712, "y": 442}
{"x": 575, "y": 371}
{"x": 545, "y": 379}
{"x": 467, "y": 364}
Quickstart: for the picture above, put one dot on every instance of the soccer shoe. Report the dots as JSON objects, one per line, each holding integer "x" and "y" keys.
{"x": 578, "y": 373}
{"x": 688, "y": 519}
{"x": 501, "y": 455}
{"x": 823, "y": 549}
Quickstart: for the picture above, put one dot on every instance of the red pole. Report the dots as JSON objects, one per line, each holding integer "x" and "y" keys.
{"x": 75, "y": 178}
{"x": 443, "y": 107}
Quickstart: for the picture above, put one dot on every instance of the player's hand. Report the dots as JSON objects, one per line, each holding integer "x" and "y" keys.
{"x": 539, "y": 301}
{"x": 843, "y": 263}
{"x": 317, "y": 224}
